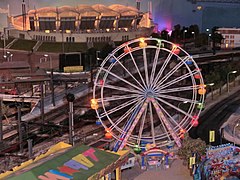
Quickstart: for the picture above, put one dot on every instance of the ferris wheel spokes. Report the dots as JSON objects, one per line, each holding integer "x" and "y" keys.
{"x": 173, "y": 121}
{"x": 163, "y": 67}
{"x": 145, "y": 66}
{"x": 152, "y": 123}
{"x": 119, "y": 107}
{"x": 180, "y": 89}
{"x": 174, "y": 81}
{"x": 135, "y": 121}
{"x": 184, "y": 76}
{"x": 176, "y": 98}
{"x": 125, "y": 115}
{"x": 154, "y": 66}
{"x": 141, "y": 128}
{"x": 119, "y": 97}
{"x": 174, "y": 107}
{"x": 136, "y": 66}
{"x": 167, "y": 124}
{"x": 121, "y": 79}
{"x": 118, "y": 88}
{"x": 128, "y": 72}
{"x": 171, "y": 72}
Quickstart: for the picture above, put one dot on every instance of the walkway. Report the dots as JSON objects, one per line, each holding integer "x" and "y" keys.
{"x": 177, "y": 171}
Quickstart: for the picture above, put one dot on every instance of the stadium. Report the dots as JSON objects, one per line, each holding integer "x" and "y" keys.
{"x": 83, "y": 23}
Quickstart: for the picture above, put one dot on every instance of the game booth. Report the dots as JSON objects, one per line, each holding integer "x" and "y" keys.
{"x": 222, "y": 162}
{"x": 65, "y": 162}
{"x": 154, "y": 157}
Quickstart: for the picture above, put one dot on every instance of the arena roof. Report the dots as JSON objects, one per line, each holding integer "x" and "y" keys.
{"x": 86, "y": 10}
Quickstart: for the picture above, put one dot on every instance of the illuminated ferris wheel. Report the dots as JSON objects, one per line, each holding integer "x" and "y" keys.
{"x": 148, "y": 90}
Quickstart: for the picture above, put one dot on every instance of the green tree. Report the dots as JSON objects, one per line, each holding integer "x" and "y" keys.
{"x": 190, "y": 146}
{"x": 176, "y": 34}
{"x": 164, "y": 34}
{"x": 155, "y": 35}
{"x": 216, "y": 38}
{"x": 201, "y": 40}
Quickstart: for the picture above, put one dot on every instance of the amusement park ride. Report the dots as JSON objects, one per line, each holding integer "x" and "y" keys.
{"x": 148, "y": 91}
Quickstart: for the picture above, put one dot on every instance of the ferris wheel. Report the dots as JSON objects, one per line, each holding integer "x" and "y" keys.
{"x": 148, "y": 90}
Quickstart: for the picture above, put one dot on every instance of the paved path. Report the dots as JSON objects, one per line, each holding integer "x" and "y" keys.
{"x": 177, "y": 171}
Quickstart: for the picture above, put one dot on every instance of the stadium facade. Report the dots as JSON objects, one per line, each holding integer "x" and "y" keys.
{"x": 83, "y": 23}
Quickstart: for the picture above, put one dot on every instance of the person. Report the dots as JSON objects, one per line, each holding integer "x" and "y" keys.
{"x": 163, "y": 162}
{"x": 158, "y": 163}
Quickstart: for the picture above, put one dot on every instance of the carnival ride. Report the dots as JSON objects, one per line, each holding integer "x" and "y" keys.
{"x": 148, "y": 91}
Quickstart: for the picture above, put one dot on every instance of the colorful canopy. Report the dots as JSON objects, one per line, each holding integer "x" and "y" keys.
{"x": 81, "y": 162}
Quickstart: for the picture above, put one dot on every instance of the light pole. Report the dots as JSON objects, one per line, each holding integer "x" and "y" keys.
{"x": 193, "y": 33}
{"x": 207, "y": 30}
{"x": 51, "y": 78}
{"x": 50, "y": 60}
{"x": 234, "y": 132}
{"x": 209, "y": 38}
{"x": 211, "y": 88}
{"x": 231, "y": 72}
{"x": 184, "y": 36}
{"x": 8, "y": 56}
{"x": 70, "y": 99}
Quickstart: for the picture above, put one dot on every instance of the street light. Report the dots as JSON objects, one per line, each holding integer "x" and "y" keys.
{"x": 8, "y": 56}
{"x": 184, "y": 33}
{"x": 209, "y": 38}
{"x": 234, "y": 133}
{"x": 50, "y": 59}
{"x": 231, "y": 72}
{"x": 51, "y": 78}
{"x": 193, "y": 33}
{"x": 211, "y": 87}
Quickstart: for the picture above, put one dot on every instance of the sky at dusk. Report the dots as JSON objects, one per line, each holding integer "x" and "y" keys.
{"x": 166, "y": 13}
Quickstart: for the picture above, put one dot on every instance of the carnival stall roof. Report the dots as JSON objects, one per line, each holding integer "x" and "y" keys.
{"x": 80, "y": 162}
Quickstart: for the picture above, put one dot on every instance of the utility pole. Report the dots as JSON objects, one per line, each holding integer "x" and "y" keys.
{"x": 52, "y": 88}
{"x": 42, "y": 103}
{"x": 1, "y": 123}
{"x": 70, "y": 99}
{"x": 20, "y": 128}
{"x": 29, "y": 148}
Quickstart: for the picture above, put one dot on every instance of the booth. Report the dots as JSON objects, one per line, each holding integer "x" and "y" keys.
{"x": 80, "y": 162}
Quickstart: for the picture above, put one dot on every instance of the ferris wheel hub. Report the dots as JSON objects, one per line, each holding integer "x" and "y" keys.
{"x": 149, "y": 93}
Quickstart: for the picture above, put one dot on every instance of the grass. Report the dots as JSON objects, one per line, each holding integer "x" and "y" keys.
{"x": 22, "y": 44}
{"x": 6, "y": 42}
{"x": 58, "y": 47}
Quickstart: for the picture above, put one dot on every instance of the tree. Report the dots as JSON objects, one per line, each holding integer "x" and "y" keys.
{"x": 201, "y": 40}
{"x": 106, "y": 50}
{"x": 164, "y": 34}
{"x": 190, "y": 146}
{"x": 216, "y": 38}
{"x": 155, "y": 35}
{"x": 176, "y": 33}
